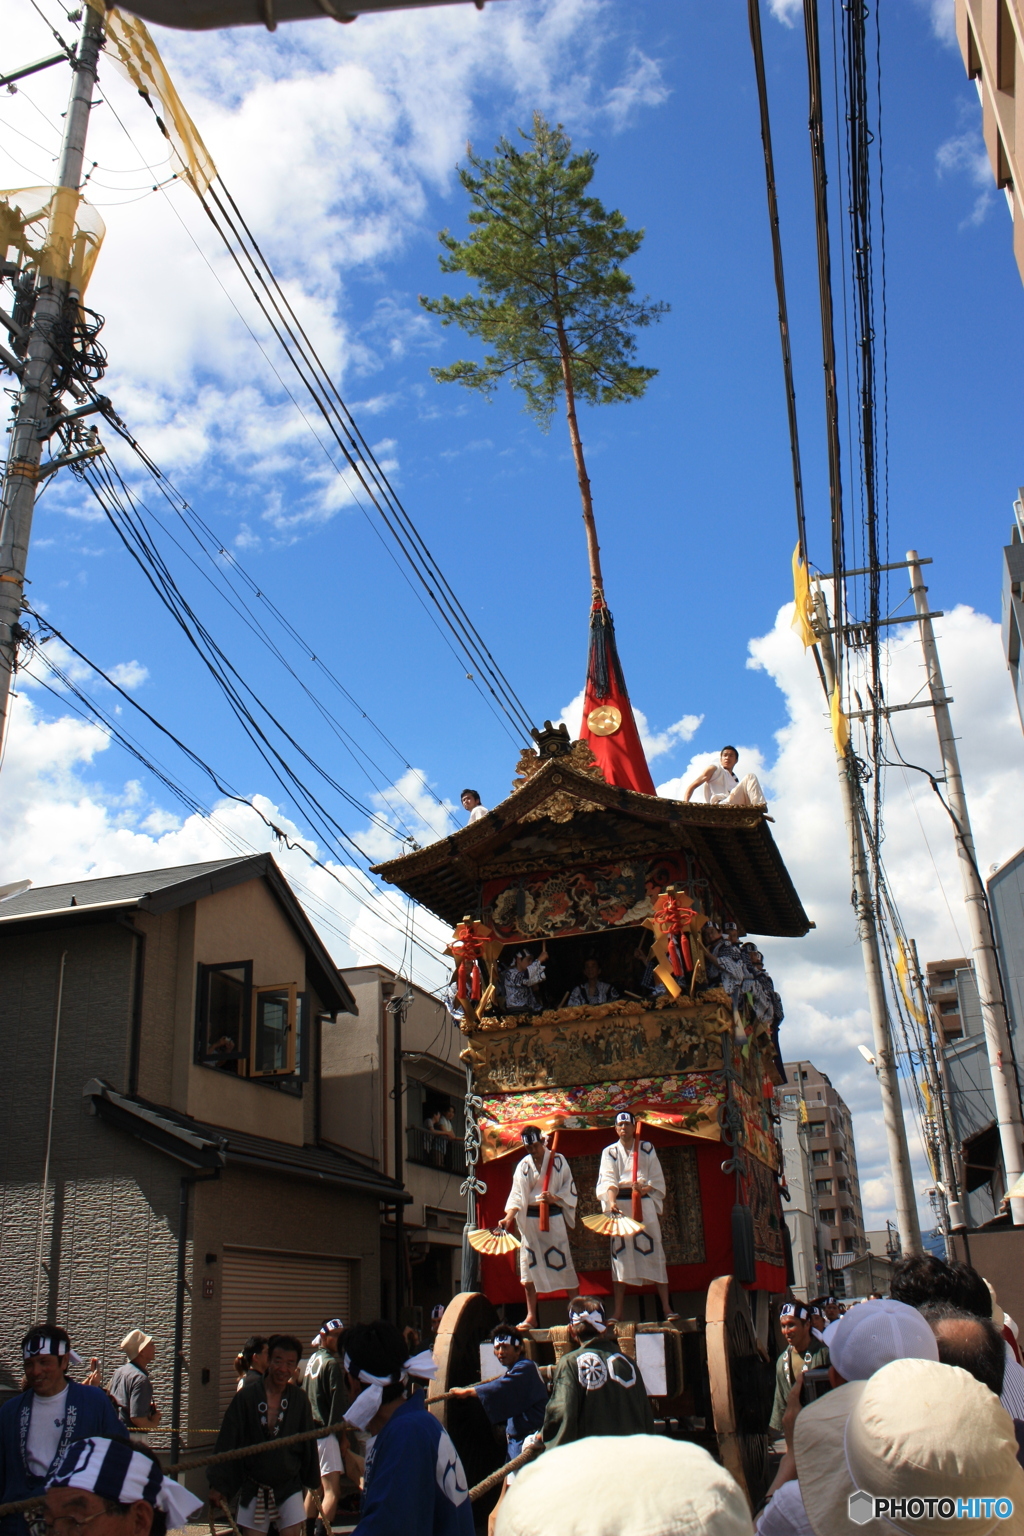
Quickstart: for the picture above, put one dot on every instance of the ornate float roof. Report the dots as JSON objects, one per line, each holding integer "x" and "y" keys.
{"x": 565, "y": 814}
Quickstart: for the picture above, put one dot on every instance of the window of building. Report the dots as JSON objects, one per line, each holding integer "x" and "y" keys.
{"x": 839, "y": 1154}
{"x": 223, "y": 1009}
{"x": 949, "y": 1007}
{"x": 256, "y": 1032}
{"x": 819, "y": 1157}
{"x": 848, "y": 1213}
{"x": 817, "y": 1127}
{"x": 973, "y": 65}
{"x": 823, "y": 1186}
{"x": 828, "y": 1216}
{"x": 835, "y": 1245}
{"x": 1006, "y": 48}
{"x": 844, "y": 1185}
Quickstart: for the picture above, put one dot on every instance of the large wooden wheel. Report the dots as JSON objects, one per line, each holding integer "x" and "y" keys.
{"x": 742, "y": 1383}
{"x": 467, "y": 1321}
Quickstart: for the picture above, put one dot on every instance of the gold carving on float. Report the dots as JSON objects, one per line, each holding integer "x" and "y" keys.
{"x": 604, "y": 720}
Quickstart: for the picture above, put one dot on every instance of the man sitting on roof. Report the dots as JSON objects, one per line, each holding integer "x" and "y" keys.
{"x": 592, "y": 989}
{"x": 722, "y": 787}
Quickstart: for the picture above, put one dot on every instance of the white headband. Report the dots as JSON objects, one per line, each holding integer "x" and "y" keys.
{"x": 334, "y": 1326}
{"x": 112, "y": 1470}
{"x": 594, "y": 1318}
{"x": 367, "y": 1405}
{"x": 46, "y": 1344}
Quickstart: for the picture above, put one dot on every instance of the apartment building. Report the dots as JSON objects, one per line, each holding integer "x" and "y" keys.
{"x": 991, "y": 38}
{"x": 820, "y": 1125}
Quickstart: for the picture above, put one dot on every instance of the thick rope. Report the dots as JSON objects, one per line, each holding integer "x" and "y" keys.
{"x": 510, "y": 1466}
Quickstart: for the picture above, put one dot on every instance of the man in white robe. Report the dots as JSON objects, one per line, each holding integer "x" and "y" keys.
{"x": 638, "y": 1260}
{"x": 545, "y": 1263}
{"x": 722, "y": 787}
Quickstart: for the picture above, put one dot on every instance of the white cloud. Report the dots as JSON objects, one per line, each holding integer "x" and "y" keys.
{"x": 332, "y": 143}
{"x": 964, "y": 154}
{"x": 128, "y": 674}
{"x": 786, "y": 11}
{"x": 942, "y": 18}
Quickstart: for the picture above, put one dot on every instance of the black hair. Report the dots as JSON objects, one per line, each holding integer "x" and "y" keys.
{"x": 475, "y": 792}
{"x": 285, "y": 1341}
{"x": 506, "y": 1331}
{"x": 380, "y": 1350}
{"x": 919, "y": 1278}
{"x": 969, "y": 1290}
{"x": 585, "y": 1330}
{"x": 982, "y": 1352}
{"x": 728, "y": 749}
{"x": 47, "y": 1331}
{"x": 253, "y": 1345}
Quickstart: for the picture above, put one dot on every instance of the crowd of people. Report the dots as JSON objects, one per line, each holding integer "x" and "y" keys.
{"x": 895, "y": 1414}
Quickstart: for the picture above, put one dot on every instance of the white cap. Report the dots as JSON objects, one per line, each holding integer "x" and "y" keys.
{"x": 871, "y": 1335}
{"x": 623, "y": 1485}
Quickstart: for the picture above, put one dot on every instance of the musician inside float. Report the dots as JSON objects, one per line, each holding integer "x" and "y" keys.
{"x": 543, "y": 1195}
{"x": 632, "y": 1165}
{"x": 521, "y": 981}
{"x": 592, "y": 989}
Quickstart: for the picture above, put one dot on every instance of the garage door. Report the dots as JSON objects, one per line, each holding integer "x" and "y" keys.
{"x": 267, "y": 1291}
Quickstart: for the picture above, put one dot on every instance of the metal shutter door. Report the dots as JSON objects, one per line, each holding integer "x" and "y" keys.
{"x": 267, "y": 1291}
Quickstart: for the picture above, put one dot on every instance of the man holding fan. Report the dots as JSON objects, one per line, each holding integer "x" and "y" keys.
{"x": 542, "y": 1201}
{"x": 631, "y": 1172}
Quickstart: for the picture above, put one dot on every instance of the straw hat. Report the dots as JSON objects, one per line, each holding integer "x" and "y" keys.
{"x": 135, "y": 1342}
{"x": 915, "y": 1430}
{"x": 624, "y": 1485}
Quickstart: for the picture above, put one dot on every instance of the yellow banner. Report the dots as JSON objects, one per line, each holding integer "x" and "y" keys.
{"x": 803, "y": 610}
{"x": 131, "y": 48}
{"x": 906, "y": 986}
{"x": 54, "y": 231}
{"x": 840, "y": 724}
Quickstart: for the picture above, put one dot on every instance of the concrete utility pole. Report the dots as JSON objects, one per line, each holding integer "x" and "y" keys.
{"x": 1005, "y": 1091}
{"x": 885, "y": 1060}
{"x": 32, "y": 417}
{"x": 951, "y": 1199}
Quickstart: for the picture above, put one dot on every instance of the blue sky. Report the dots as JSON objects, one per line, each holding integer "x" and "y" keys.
{"x": 339, "y": 144}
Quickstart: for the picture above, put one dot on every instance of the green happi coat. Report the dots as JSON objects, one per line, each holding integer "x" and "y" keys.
{"x": 597, "y": 1391}
{"x": 288, "y": 1470}
{"x": 787, "y": 1367}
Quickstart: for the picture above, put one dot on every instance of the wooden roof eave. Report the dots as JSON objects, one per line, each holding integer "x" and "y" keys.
{"x": 425, "y": 874}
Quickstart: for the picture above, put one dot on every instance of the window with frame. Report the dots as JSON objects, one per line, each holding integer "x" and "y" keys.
{"x": 823, "y": 1186}
{"x": 259, "y": 1032}
{"x": 819, "y": 1157}
{"x": 828, "y": 1217}
{"x": 223, "y": 1009}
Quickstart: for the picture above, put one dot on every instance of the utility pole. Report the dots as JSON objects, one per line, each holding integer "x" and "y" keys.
{"x": 396, "y": 1008}
{"x": 885, "y": 1060}
{"x": 951, "y": 1199}
{"x": 1005, "y": 1091}
{"x": 32, "y": 423}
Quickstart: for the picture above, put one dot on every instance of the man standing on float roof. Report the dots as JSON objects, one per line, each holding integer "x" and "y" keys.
{"x": 545, "y": 1263}
{"x": 640, "y": 1259}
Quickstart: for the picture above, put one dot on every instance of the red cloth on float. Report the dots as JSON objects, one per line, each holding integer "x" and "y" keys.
{"x": 620, "y": 755}
{"x": 500, "y": 1272}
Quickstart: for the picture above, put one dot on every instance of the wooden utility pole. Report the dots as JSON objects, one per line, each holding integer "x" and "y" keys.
{"x": 32, "y": 422}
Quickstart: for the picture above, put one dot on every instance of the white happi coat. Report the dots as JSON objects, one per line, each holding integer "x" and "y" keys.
{"x": 544, "y": 1258}
{"x": 640, "y": 1258}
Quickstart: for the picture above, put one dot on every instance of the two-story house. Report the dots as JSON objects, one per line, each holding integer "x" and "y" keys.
{"x": 163, "y": 1163}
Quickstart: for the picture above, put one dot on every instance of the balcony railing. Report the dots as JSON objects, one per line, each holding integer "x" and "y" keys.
{"x": 434, "y": 1151}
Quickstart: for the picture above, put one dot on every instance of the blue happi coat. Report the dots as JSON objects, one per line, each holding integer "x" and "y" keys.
{"x": 88, "y": 1411}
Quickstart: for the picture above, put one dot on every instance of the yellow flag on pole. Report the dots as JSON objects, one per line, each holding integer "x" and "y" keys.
{"x": 131, "y": 48}
{"x": 840, "y": 724}
{"x": 803, "y": 611}
{"x": 903, "y": 972}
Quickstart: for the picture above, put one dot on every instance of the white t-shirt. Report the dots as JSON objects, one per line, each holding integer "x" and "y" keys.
{"x": 44, "y": 1431}
{"x": 477, "y": 814}
{"x": 785, "y": 1515}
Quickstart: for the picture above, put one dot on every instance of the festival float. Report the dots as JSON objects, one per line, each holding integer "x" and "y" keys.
{"x": 585, "y": 860}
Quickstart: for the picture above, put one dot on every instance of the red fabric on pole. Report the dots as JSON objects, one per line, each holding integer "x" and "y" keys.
{"x": 500, "y": 1272}
{"x": 620, "y": 754}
